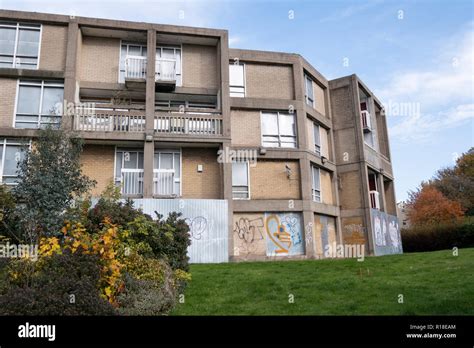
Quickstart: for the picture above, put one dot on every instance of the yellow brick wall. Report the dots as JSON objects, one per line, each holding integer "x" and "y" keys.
{"x": 350, "y": 190}
{"x": 7, "y": 101}
{"x": 269, "y": 81}
{"x": 245, "y": 125}
{"x": 199, "y": 66}
{"x": 326, "y": 187}
{"x": 98, "y": 163}
{"x": 204, "y": 185}
{"x": 319, "y": 99}
{"x": 268, "y": 180}
{"x": 99, "y": 59}
{"x": 53, "y": 47}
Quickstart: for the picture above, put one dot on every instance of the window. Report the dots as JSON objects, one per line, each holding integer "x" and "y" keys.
{"x": 309, "y": 96}
{"x": 237, "y": 80}
{"x": 168, "y": 64}
{"x": 240, "y": 180}
{"x": 19, "y": 45}
{"x": 12, "y": 151}
{"x": 316, "y": 187}
{"x": 129, "y": 171}
{"x": 136, "y": 52}
{"x": 39, "y": 103}
{"x": 317, "y": 139}
{"x": 167, "y": 173}
{"x": 278, "y": 129}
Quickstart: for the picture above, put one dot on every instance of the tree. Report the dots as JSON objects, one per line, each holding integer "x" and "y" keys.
{"x": 50, "y": 177}
{"x": 457, "y": 183}
{"x": 428, "y": 206}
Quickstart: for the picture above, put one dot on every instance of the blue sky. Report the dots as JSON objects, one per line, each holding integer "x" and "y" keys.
{"x": 410, "y": 53}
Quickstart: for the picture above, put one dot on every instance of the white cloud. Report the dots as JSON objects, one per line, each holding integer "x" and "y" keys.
{"x": 349, "y": 11}
{"x": 444, "y": 91}
{"x": 234, "y": 40}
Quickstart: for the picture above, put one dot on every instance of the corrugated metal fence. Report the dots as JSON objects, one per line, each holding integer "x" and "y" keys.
{"x": 207, "y": 220}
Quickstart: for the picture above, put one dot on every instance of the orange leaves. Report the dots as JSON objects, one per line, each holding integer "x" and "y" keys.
{"x": 429, "y": 206}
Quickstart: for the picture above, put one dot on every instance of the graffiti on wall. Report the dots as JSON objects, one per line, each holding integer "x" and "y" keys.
{"x": 197, "y": 227}
{"x": 249, "y": 233}
{"x": 386, "y": 233}
{"x": 284, "y": 234}
{"x": 273, "y": 234}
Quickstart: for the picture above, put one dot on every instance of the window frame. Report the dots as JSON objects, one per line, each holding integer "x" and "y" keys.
{"x": 41, "y": 84}
{"x": 317, "y": 147}
{"x": 179, "y": 151}
{"x": 27, "y": 26}
{"x": 248, "y": 182}
{"x": 10, "y": 142}
{"x": 314, "y": 190}
{"x": 279, "y": 135}
{"x": 306, "y": 96}
{"x": 244, "y": 94}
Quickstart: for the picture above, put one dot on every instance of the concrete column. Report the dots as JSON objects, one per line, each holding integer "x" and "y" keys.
{"x": 381, "y": 190}
{"x": 308, "y": 215}
{"x": 70, "y": 81}
{"x": 149, "y": 147}
{"x": 226, "y": 175}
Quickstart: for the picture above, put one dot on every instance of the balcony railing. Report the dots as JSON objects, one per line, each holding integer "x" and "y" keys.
{"x": 374, "y": 199}
{"x": 366, "y": 124}
{"x": 164, "y": 182}
{"x": 135, "y": 67}
{"x": 110, "y": 121}
{"x": 131, "y": 182}
{"x": 203, "y": 124}
{"x": 165, "y": 70}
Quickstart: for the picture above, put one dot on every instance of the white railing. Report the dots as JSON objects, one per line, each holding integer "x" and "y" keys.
{"x": 165, "y": 70}
{"x": 366, "y": 124}
{"x": 164, "y": 182}
{"x": 131, "y": 182}
{"x": 374, "y": 200}
{"x": 192, "y": 124}
{"x": 110, "y": 121}
{"x": 135, "y": 67}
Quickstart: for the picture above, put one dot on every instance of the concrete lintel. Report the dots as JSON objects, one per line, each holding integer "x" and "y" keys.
{"x": 29, "y": 73}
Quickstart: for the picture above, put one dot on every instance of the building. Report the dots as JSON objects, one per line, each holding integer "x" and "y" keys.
{"x": 402, "y": 214}
{"x": 262, "y": 154}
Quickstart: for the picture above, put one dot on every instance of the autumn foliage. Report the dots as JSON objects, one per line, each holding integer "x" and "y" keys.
{"x": 428, "y": 206}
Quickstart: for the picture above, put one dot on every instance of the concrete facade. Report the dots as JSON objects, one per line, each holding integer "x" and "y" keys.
{"x": 182, "y": 129}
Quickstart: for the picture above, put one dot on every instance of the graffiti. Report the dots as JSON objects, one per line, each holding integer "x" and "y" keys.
{"x": 284, "y": 234}
{"x": 248, "y": 231}
{"x": 386, "y": 233}
{"x": 197, "y": 226}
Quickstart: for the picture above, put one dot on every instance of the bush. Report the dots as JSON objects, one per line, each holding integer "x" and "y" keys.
{"x": 166, "y": 238}
{"x": 150, "y": 287}
{"x": 438, "y": 237}
{"x": 47, "y": 286}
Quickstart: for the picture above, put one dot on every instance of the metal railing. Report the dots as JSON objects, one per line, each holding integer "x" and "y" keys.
{"x": 366, "y": 124}
{"x": 374, "y": 199}
{"x": 135, "y": 67}
{"x": 164, "y": 182}
{"x": 165, "y": 69}
{"x": 131, "y": 182}
{"x": 110, "y": 121}
{"x": 188, "y": 123}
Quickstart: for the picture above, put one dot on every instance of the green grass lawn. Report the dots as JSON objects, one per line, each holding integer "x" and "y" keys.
{"x": 432, "y": 283}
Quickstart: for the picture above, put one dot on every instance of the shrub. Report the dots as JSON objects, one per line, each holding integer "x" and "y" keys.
{"x": 167, "y": 238}
{"x": 149, "y": 289}
{"x": 438, "y": 237}
{"x": 47, "y": 287}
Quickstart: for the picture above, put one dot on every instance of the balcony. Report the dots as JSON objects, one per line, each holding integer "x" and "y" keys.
{"x": 135, "y": 72}
{"x": 374, "y": 199}
{"x": 110, "y": 121}
{"x": 190, "y": 123}
{"x": 131, "y": 182}
{"x": 165, "y": 183}
{"x": 366, "y": 123}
